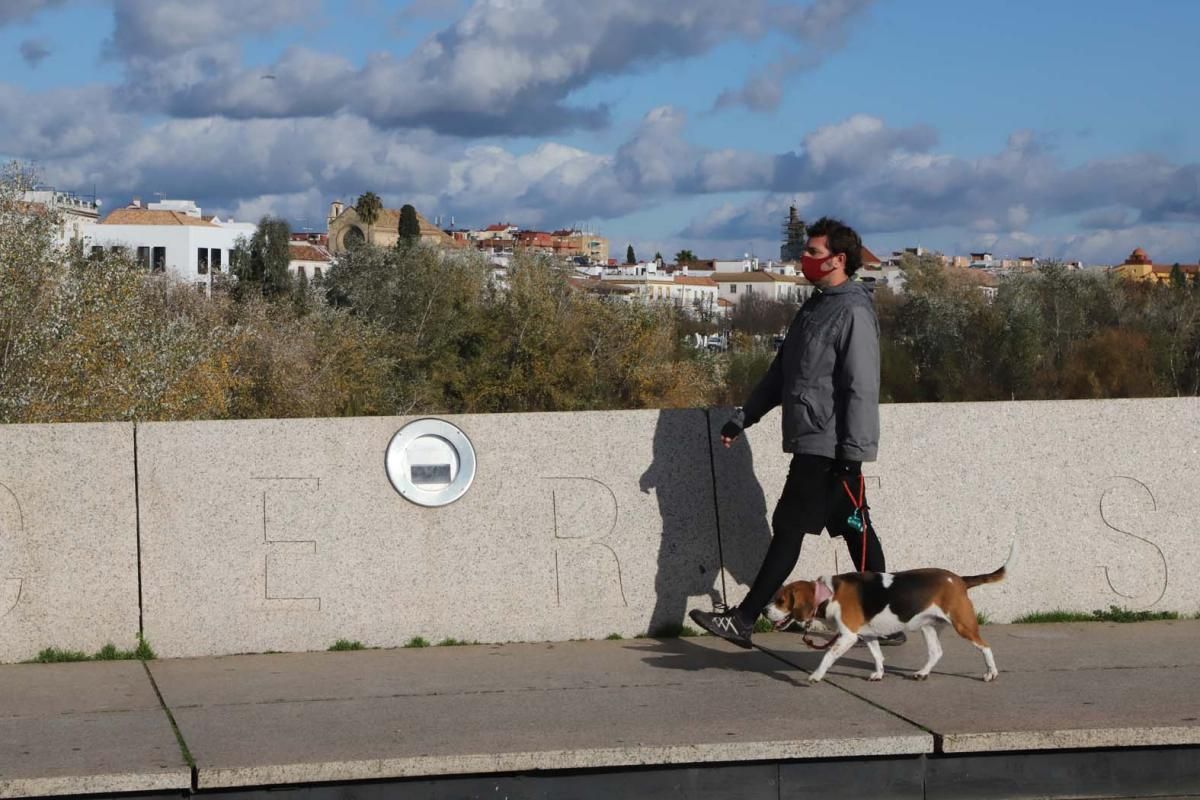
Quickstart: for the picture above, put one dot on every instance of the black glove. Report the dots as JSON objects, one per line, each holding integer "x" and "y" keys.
{"x": 731, "y": 430}
{"x": 844, "y": 468}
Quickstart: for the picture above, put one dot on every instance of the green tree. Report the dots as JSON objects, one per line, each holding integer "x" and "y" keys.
{"x": 261, "y": 264}
{"x": 429, "y": 306}
{"x": 1073, "y": 305}
{"x": 1178, "y": 279}
{"x": 410, "y": 226}
{"x": 302, "y": 294}
{"x": 685, "y": 256}
{"x": 630, "y": 258}
{"x": 1171, "y": 323}
{"x": 368, "y": 207}
{"x": 758, "y": 315}
{"x": 944, "y": 324}
{"x": 1019, "y": 339}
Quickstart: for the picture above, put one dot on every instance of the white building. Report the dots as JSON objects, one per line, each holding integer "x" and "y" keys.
{"x": 179, "y": 243}
{"x": 77, "y": 214}
{"x": 746, "y": 263}
{"x": 887, "y": 275}
{"x": 697, "y": 292}
{"x": 733, "y": 286}
{"x": 308, "y": 259}
{"x": 649, "y": 284}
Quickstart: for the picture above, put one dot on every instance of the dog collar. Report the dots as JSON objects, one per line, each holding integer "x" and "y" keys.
{"x": 822, "y": 592}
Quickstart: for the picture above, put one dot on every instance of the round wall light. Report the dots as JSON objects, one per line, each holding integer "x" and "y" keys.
{"x": 430, "y": 462}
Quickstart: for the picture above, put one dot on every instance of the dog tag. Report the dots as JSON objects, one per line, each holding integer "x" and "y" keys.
{"x": 855, "y": 520}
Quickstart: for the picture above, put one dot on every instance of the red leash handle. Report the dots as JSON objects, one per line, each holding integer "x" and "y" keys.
{"x": 860, "y": 507}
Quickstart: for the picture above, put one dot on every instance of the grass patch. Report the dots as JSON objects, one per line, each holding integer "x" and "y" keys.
{"x": 417, "y": 641}
{"x": 452, "y": 642}
{"x": 1112, "y": 614}
{"x": 763, "y": 625}
{"x": 614, "y": 637}
{"x": 346, "y": 644}
{"x": 53, "y": 655}
{"x": 981, "y": 618}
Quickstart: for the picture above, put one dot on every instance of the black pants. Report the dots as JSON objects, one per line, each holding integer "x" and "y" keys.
{"x": 813, "y": 498}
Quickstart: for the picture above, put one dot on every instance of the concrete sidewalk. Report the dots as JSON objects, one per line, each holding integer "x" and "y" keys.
{"x": 322, "y": 718}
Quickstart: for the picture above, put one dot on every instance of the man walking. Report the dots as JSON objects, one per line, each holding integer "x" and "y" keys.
{"x": 826, "y": 377}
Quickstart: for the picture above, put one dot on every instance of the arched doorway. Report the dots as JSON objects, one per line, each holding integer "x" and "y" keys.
{"x": 353, "y": 237}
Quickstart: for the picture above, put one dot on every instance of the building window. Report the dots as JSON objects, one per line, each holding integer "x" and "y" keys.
{"x": 733, "y": 288}
{"x": 316, "y": 272}
{"x": 143, "y": 257}
{"x": 202, "y": 261}
{"x": 97, "y": 251}
{"x": 300, "y": 273}
{"x": 215, "y": 259}
{"x": 159, "y": 262}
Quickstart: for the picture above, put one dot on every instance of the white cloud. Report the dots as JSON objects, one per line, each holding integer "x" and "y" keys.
{"x": 14, "y": 11}
{"x": 818, "y": 29}
{"x": 882, "y": 180}
{"x": 506, "y": 67}
{"x": 150, "y": 30}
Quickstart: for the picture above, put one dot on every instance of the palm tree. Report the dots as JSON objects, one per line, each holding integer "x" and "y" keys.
{"x": 368, "y": 207}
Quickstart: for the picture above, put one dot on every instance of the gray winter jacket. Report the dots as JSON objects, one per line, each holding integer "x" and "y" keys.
{"x": 826, "y": 377}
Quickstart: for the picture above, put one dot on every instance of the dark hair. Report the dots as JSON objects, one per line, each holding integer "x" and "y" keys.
{"x": 842, "y": 239}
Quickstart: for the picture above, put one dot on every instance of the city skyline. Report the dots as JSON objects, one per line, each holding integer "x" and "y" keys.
{"x": 1025, "y": 130}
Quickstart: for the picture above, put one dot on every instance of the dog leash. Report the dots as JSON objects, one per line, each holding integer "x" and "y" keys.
{"x": 859, "y": 519}
{"x": 808, "y": 641}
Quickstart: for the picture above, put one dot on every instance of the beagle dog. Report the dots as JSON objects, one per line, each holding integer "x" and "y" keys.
{"x": 871, "y": 605}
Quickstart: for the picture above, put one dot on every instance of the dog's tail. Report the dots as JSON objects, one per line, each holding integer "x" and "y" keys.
{"x": 992, "y": 577}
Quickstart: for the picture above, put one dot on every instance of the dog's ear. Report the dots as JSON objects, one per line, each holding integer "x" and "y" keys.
{"x": 803, "y": 600}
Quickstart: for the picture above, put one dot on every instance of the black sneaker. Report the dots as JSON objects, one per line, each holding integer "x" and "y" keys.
{"x": 726, "y": 625}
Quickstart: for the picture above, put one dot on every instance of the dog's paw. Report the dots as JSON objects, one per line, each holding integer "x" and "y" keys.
{"x": 875, "y": 676}
{"x": 813, "y": 680}
{"x": 920, "y": 676}
{"x": 988, "y": 677}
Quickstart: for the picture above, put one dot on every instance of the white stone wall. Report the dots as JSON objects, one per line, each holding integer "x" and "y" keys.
{"x": 68, "y": 538}
{"x": 287, "y": 535}
{"x": 1102, "y": 496}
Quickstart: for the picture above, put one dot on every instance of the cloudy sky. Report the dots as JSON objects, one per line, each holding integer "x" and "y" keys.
{"x": 1027, "y": 127}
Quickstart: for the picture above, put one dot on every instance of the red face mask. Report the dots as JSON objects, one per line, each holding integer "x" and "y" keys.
{"x": 811, "y": 267}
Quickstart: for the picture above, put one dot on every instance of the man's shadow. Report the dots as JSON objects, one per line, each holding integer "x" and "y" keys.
{"x": 742, "y": 527}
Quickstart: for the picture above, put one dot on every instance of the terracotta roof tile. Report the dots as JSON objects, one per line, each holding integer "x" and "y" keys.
{"x": 145, "y": 216}
{"x": 308, "y": 252}
{"x": 750, "y": 277}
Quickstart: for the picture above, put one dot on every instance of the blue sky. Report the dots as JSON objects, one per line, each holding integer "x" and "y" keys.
{"x": 1053, "y": 129}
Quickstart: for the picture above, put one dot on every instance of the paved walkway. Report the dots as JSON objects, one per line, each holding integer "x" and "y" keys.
{"x": 287, "y": 719}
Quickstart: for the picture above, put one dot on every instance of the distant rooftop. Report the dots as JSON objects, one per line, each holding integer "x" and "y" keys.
{"x": 146, "y": 216}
